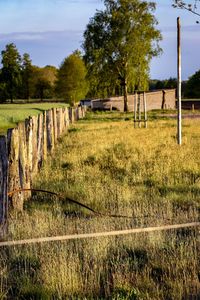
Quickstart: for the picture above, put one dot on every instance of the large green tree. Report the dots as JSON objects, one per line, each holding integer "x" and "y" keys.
{"x": 45, "y": 79}
{"x": 11, "y": 70}
{"x": 27, "y": 73}
{"x": 119, "y": 43}
{"x": 71, "y": 84}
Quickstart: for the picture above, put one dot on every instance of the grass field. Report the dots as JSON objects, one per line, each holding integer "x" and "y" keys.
{"x": 10, "y": 114}
{"x": 113, "y": 168}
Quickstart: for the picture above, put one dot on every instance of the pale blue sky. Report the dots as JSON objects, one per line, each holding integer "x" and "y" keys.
{"x": 49, "y": 30}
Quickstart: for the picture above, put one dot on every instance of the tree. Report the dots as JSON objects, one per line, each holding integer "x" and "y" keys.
{"x": 41, "y": 86}
{"x": 119, "y": 43}
{"x": 11, "y": 70}
{"x": 193, "y": 86}
{"x": 170, "y": 83}
{"x": 187, "y": 6}
{"x": 42, "y": 82}
{"x": 71, "y": 83}
{"x": 27, "y": 72}
{"x": 46, "y": 81}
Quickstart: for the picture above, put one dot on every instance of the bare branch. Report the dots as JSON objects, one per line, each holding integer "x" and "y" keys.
{"x": 187, "y": 6}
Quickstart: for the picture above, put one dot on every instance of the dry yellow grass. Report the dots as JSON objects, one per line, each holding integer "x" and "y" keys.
{"x": 116, "y": 169}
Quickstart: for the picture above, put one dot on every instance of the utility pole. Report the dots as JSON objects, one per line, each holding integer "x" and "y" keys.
{"x": 179, "y": 129}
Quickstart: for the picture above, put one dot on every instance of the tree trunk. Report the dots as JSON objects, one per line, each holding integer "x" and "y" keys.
{"x": 125, "y": 97}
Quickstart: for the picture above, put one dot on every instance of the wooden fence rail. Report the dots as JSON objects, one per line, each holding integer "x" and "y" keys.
{"x": 98, "y": 234}
{"x": 23, "y": 150}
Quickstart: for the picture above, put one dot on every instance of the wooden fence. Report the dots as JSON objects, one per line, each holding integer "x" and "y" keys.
{"x": 23, "y": 150}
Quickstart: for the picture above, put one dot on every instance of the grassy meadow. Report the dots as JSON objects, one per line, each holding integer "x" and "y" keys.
{"x": 11, "y": 114}
{"x": 108, "y": 165}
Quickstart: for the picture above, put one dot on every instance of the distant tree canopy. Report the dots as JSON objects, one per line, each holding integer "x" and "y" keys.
{"x": 20, "y": 79}
{"x": 170, "y": 83}
{"x": 119, "y": 43}
{"x": 193, "y": 86}
{"x": 10, "y": 76}
{"x": 71, "y": 83}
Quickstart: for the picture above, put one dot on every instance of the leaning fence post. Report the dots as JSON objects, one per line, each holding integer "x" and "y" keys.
{"x": 3, "y": 184}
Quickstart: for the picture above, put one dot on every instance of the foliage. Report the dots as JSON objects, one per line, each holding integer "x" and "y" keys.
{"x": 193, "y": 86}
{"x": 119, "y": 43}
{"x": 20, "y": 79}
{"x": 11, "y": 70}
{"x": 170, "y": 83}
{"x": 26, "y": 74}
{"x": 71, "y": 83}
{"x": 43, "y": 82}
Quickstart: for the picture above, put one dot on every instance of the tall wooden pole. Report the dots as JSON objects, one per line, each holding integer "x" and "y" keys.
{"x": 179, "y": 133}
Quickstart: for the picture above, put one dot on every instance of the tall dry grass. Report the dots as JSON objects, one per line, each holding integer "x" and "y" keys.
{"x": 113, "y": 168}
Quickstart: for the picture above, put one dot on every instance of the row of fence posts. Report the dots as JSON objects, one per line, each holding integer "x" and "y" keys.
{"x": 138, "y": 99}
{"x": 23, "y": 150}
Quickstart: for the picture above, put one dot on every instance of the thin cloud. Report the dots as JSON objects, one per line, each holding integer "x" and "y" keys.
{"x": 36, "y": 36}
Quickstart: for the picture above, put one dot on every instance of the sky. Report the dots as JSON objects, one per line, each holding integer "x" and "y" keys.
{"x": 50, "y": 30}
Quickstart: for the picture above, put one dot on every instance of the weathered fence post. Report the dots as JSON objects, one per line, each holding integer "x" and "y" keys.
{"x": 71, "y": 114}
{"x": 24, "y": 174}
{"x": 13, "y": 169}
{"x": 34, "y": 145}
{"x": 44, "y": 115}
{"x": 139, "y": 110}
{"x": 3, "y": 184}
{"x": 22, "y": 153}
{"x": 50, "y": 133}
{"x": 59, "y": 121}
{"x": 55, "y": 130}
{"x": 29, "y": 136}
{"x": 40, "y": 141}
{"x": 66, "y": 117}
{"x": 135, "y": 109}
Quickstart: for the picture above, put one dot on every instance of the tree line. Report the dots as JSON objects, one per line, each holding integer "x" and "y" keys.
{"x": 20, "y": 79}
{"x": 118, "y": 45}
{"x": 190, "y": 88}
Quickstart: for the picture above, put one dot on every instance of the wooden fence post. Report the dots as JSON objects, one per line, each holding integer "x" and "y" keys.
{"x": 55, "y": 130}
{"x": 29, "y": 136}
{"x": 145, "y": 109}
{"x": 50, "y": 134}
{"x": 59, "y": 125}
{"x": 34, "y": 145}
{"x": 71, "y": 114}
{"x": 24, "y": 174}
{"x": 44, "y": 135}
{"x": 40, "y": 137}
{"x": 13, "y": 169}
{"x": 3, "y": 185}
{"x": 135, "y": 109}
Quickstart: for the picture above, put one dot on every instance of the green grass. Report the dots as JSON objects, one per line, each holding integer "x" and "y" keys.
{"x": 113, "y": 168}
{"x": 11, "y": 114}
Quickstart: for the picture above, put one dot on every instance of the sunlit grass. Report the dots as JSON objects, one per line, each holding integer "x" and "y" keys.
{"x": 114, "y": 169}
{"x": 11, "y": 114}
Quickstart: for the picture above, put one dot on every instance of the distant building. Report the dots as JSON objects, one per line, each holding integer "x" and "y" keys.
{"x": 85, "y": 102}
{"x": 159, "y": 99}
